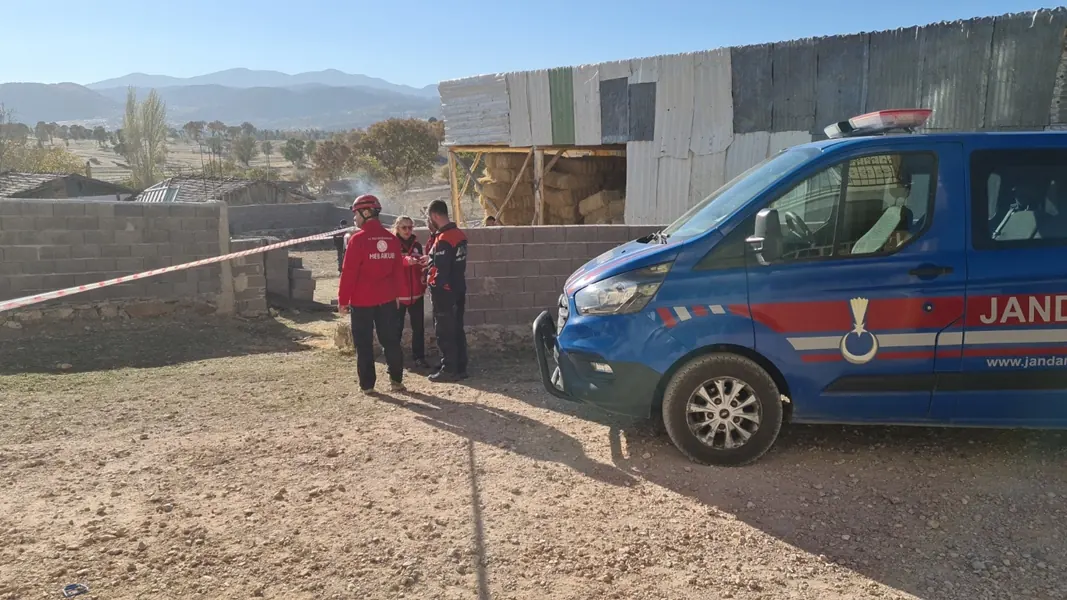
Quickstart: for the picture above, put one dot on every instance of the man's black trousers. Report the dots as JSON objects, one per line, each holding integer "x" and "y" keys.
{"x": 417, "y": 313}
{"x": 448, "y": 327}
{"x": 365, "y": 320}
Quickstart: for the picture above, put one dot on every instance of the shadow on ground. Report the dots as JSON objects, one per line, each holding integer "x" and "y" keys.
{"x": 509, "y": 431}
{"x": 935, "y": 512}
{"x": 146, "y": 344}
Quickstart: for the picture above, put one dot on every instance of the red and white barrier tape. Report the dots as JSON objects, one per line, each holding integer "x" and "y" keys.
{"x": 6, "y": 305}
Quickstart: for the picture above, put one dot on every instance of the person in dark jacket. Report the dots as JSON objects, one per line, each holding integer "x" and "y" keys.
{"x": 447, "y": 261}
{"x": 412, "y": 288}
{"x": 339, "y": 242}
{"x": 370, "y": 278}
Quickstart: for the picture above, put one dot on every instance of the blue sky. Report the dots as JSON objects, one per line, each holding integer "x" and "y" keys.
{"x": 416, "y": 42}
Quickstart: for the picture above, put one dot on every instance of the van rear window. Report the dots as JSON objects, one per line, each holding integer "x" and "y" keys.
{"x": 1019, "y": 198}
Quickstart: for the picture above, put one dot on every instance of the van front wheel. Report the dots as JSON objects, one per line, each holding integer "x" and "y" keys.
{"x": 722, "y": 409}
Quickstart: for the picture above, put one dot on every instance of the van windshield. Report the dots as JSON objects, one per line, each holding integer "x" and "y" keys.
{"x": 726, "y": 200}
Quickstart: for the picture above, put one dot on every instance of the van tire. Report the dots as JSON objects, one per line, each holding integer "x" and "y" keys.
{"x": 685, "y": 383}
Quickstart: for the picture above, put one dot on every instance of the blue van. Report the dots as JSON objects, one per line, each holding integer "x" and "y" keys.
{"x": 870, "y": 278}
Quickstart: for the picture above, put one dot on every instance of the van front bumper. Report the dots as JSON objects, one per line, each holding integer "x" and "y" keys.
{"x": 628, "y": 389}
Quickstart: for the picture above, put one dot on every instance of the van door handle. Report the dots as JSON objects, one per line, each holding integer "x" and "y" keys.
{"x": 929, "y": 271}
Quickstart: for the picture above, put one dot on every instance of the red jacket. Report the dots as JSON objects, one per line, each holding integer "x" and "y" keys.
{"x": 373, "y": 266}
{"x": 412, "y": 284}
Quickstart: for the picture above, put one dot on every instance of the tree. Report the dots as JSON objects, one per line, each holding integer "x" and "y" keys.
{"x": 248, "y": 129}
{"x": 330, "y": 160}
{"x": 267, "y": 148}
{"x": 309, "y": 149}
{"x": 404, "y": 149}
{"x": 194, "y": 130}
{"x": 244, "y": 148}
{"x": 40, "y": 131}
{"x": 64, "y": 134}
{"x": 293, "y": 151}
{"x": 144, "y": 129}
{"x": 216, "y": 128}
{"x": 233, "y": 132}
{"x": 100, "y": 135}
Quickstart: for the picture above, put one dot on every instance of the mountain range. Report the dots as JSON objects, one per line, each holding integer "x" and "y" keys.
{"x": 329, "y": 99}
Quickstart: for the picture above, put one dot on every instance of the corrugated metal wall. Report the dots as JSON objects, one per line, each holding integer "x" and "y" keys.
{"x": 692, "y": 122}
{"x": 540, "y": 94}
{"x": 475, "y": 110}
{"x": 587, "y": 105}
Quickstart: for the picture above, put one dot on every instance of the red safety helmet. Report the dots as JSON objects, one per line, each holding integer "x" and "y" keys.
{"x": 367, "y": 202}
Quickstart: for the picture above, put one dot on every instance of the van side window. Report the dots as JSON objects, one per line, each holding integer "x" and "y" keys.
{"x": 1019, "y": 198}
{"x": 886, "y": 202}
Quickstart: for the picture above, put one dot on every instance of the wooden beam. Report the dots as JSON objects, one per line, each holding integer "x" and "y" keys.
{"x": 470, "y": 175}
{"x": 552, "y": 162}
{"x": 539, "y": 187}
{"x": 572, "y": 151}
{"x": 514, "y": 184}
{"x": 453, "y": 184}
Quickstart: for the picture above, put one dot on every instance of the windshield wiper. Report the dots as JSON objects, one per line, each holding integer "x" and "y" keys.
{"x": 660, "y": 237}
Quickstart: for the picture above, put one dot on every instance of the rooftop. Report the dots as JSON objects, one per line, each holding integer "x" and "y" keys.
{"x": 185, "y": 188}
{"x": 14, "y": 183}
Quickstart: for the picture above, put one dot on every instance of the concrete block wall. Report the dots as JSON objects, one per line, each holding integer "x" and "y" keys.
{"x": 47, "y": 245}
{"x": 288, "y": 221}
{"x": 249, "y": 279}
{"x": 301, "y": 280}
{"x": 513, "y": 273}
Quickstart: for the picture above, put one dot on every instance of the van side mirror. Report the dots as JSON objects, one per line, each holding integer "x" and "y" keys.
{"x": 766, "y": 239}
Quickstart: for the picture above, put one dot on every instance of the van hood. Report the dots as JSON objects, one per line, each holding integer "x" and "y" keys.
{"x": 631, "y": 255}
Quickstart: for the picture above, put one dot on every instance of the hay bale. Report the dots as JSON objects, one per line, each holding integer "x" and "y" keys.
{"x": 504, "y": 160}
{"x": 599, "y": 216}
{"x": 617, "y": 208}
{"x": 597, "y": 201}
{"x": 554, "y": 197}
{"x": 577, "y": 166}
{"x": 565, "y": 181}
{"x": 497, "y": 190}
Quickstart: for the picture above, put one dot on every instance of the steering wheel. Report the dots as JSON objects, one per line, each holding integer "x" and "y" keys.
{"x": 797, "y": 226}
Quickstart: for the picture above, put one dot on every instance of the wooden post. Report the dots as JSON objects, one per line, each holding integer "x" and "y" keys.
{"x": 454, "y": 184}
{"x": 539, "y": 187}
{"x": 470, "y": 175}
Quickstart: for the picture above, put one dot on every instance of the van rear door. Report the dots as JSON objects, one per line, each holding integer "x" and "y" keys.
{"x": 1013, "y": 350}
{"x": 872, "y": 271}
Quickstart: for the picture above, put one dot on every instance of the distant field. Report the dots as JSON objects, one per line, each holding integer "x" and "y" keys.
{"x": 182, "y": 157}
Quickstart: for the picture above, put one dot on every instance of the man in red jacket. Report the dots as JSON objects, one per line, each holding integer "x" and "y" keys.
{"x": 370, "y": 278}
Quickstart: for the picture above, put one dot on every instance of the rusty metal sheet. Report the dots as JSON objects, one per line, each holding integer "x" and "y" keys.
{"x": 707, "y": 174}
{"x": 746, "y": 151}
{"x": 642, "y": 100}
{"x": 642, "y": 174}
{"x": 674, "y": 108}
{"x": 615, "y": 110}
{"x": 893, "y": 69}
{"x": 587, "y": 105}
{"x": 780, "y": 140}
{"x": 475, "y": 110}
{"x": 713, "y": 106}
{"x": 954, "y": 79}
{"x": 672, "y": 188}
{"x": 751, "y": 70}
{"x": 793, "y": 86}
{"x": 840, "y": 79}
{"x": 519, "y": 115}
{"x": 1025, "y": 57}
{"x": 539, "y": 93}
{"x": 561, "y": 97}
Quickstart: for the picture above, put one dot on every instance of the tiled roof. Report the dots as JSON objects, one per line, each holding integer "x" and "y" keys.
{"x": 204, "y": 189}
{"x": 13, "y": 183}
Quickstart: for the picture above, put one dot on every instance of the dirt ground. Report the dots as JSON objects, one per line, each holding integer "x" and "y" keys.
{"x": 233, "y": 459}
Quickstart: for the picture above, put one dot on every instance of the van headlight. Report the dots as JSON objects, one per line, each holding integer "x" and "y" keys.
{"x": 622, "y": 294}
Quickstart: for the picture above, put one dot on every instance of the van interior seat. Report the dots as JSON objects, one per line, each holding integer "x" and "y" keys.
{"x": 894, "y": 219}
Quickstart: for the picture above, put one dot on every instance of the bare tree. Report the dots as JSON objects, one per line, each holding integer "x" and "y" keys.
{"x": 145, "y": 137}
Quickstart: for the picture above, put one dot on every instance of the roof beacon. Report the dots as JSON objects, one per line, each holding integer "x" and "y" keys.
{"x": 880, "y": 122}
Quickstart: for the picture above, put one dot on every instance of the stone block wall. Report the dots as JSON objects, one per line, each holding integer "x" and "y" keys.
{"x": 47, "y": 245}
{"x": 249, "y": 279}
{"x": 301, "y": 280}
{"x": 288, "y": 221}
